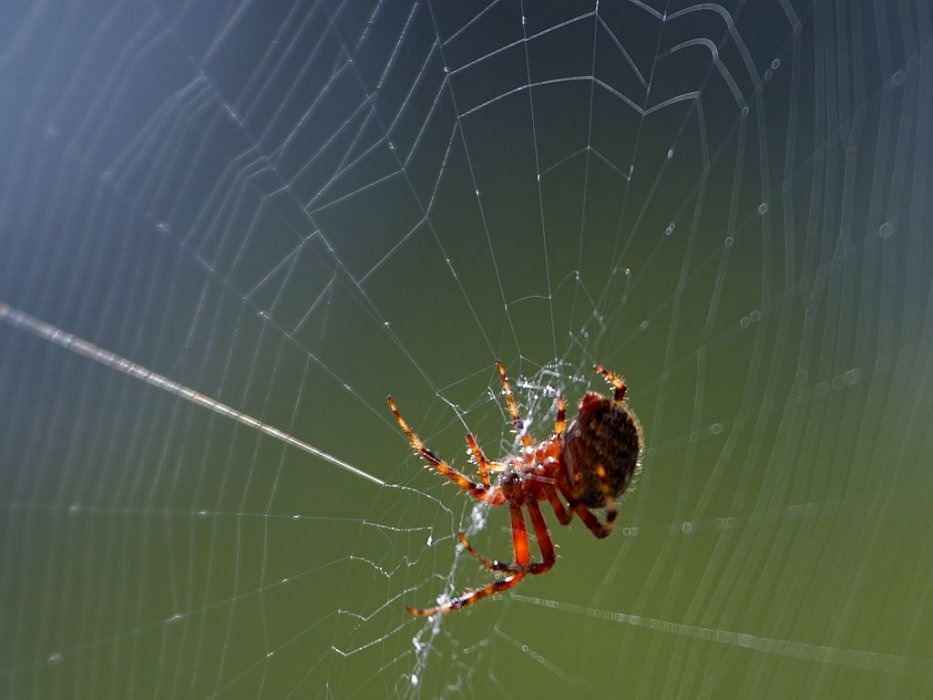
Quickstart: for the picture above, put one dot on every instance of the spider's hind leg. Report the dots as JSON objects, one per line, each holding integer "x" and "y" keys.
{"x": 470, "y": 597}
{"x": 485, "y": 562}
{"x": 520, "y": 544}
{"x": 521, "y": 568}
{"x": 615, "y": 381}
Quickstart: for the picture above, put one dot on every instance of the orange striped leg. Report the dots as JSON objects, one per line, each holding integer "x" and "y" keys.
{"x": 480, "y": 460}
{"x": 561, "y": 419}
{"x": 520, "y": 546}
{"x": 545, "y": 544}
{"x": 467, "y": 599}
{"x": 521, "y": 567}
{"x": 563, "y": 515}
{"x": 478, "y": 491}
{"x": 513, "y": 407}
{"x": 614, "y": 380}
{"x": 491, "y": 564}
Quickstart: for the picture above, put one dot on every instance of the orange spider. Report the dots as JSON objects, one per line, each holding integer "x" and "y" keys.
{"x": 591, "y": 464}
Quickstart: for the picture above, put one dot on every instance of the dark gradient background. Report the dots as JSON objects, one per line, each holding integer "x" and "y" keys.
{"x": 297, "y": 208}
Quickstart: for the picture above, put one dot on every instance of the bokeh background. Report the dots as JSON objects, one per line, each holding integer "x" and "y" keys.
{"x": 297, "y": 208}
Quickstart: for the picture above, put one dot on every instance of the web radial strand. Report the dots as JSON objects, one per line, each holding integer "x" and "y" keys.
{"x": 79, "y": 346}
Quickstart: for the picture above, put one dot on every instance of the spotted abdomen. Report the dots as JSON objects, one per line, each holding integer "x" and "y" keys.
{"x": 601, "y": 450}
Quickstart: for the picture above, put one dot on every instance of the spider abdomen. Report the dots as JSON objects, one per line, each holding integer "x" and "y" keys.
{"x": 601, "y": 450}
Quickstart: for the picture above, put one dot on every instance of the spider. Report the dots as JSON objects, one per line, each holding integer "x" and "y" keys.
{"x": 591, "y": 464}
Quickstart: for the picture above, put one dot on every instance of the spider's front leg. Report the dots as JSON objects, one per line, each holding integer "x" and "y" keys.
{"x": 482, "y": 492}
{"x": 512, "y": 406}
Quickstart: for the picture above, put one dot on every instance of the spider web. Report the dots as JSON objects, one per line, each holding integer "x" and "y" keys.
{"x": 229, "y": 229}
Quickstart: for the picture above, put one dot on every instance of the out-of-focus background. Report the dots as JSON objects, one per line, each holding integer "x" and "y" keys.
{"x": 297, "y": 208}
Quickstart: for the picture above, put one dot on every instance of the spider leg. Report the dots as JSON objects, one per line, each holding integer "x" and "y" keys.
{"x": 520, "y": 545}
{"x": 564, "y": 516}
{"x": 561, "y": 419}
{"x": 521, "y": 567}
{"x": 485, "y": 562}
{"x": 545, "y": 544}
{"x": 478, "y": 491}
{"x": 513, "y": 407}
{"x": 471, "y": 597}
{"x": 614, "y": 380}
{"x": 483, "y": 464}
{"x": 598, "y": 529}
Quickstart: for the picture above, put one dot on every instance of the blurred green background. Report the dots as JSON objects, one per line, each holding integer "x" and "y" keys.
{"x": 299, "y": 209}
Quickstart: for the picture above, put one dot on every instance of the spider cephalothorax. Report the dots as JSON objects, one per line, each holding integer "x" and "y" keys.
{"x": 588, "y": 466}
